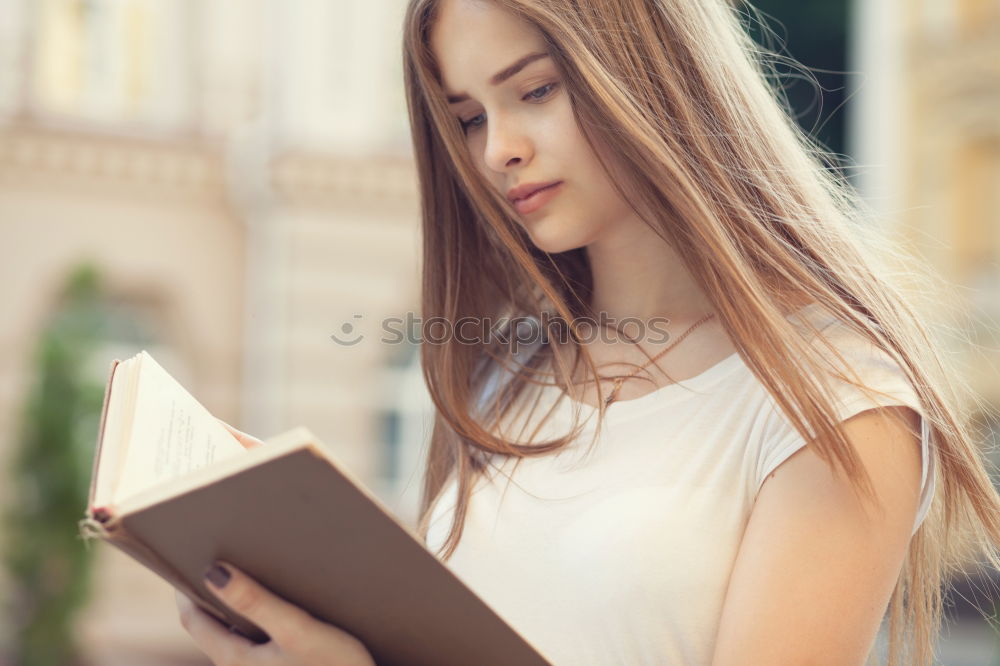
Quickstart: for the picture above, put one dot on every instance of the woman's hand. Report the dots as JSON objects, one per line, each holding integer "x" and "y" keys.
{"x": 248, "y": 441}
{"x": 297, "y": 638}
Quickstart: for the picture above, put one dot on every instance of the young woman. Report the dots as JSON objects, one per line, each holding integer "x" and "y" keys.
{"x": 758, "y": 485}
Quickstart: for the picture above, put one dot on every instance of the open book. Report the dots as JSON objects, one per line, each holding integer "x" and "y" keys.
{"x": 175, "y": 490}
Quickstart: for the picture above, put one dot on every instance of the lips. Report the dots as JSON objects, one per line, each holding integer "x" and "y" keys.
{"x": 526, "y": 190}
{"x": 538, "y": 198}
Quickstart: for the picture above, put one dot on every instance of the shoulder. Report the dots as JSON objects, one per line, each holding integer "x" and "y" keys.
{"x": 810, "y": 536}
{"x": 875, "y": 404}
{"x": 861, "y": 374}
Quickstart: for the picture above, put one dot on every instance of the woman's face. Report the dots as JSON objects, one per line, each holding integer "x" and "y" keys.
{"x": 519, "y": 126}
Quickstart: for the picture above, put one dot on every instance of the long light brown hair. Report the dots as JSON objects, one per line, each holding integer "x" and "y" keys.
{"x": 761, "y": 215}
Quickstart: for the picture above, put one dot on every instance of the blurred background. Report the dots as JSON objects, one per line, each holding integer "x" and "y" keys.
{"x": 229, "y": 184}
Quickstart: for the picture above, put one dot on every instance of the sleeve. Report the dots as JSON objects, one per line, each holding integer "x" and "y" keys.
{"x": 876, "y": 370}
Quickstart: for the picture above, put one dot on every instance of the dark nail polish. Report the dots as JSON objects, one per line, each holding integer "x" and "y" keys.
{"x": 218, "y": 575}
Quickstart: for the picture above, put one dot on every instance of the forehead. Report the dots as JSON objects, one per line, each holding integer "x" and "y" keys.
{"x": 473, "y": 39}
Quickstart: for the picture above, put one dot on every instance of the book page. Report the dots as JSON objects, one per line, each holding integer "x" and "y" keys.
{"x": 117, "y": 420}
{"x": 172, "y": 433}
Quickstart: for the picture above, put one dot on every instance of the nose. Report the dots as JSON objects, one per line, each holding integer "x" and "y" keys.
{"x": 507, "y": 145}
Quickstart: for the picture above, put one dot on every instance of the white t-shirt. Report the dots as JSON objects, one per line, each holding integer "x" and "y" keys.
{"x": 623, "y": 557}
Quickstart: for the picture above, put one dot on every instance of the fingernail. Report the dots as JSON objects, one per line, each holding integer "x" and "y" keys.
{"x": 217, "y": 575}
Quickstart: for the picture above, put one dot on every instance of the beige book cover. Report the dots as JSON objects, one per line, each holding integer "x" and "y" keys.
{"x": 175, "y": 490}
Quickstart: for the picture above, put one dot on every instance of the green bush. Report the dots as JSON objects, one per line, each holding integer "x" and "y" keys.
{"x": 48, "y": 565}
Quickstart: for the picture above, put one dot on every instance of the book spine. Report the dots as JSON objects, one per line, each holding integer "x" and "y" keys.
{"x": 111, "y": 530}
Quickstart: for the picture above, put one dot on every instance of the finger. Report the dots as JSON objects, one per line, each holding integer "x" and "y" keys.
{"x": 282, "y": 621}
{"x": 248, "y": 441}
{"x": 218, "y": 643}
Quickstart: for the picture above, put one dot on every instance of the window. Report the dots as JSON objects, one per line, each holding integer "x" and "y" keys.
{"x": 110, "y": 61}
{"x": 406, "y": 420}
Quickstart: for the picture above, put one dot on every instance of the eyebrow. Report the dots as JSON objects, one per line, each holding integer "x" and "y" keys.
{"x": 503, "y": 74}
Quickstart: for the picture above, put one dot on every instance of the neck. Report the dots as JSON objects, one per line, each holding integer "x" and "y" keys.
{"x": 637, "y": 274}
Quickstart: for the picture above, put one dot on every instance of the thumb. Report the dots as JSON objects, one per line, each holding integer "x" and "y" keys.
{"x": 248, "y": 441}
{"x": 278, "y": 618}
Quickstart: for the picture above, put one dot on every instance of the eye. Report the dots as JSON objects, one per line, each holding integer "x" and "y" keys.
{"x": 535, "y": 95}
{"x": 471, "y": 122}
{"x": 545, "y": 90}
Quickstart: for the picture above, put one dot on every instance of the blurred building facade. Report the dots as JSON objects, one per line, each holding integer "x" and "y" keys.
{"x": 926, "y": 133}
{"x": 240, "y": 174}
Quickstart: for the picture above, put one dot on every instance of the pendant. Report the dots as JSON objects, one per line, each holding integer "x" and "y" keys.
{"x": 613, "y": 393}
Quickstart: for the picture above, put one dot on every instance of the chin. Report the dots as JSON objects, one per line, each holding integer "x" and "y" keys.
{"x": 553, "y": 237}
{"x": 554, "y": 244}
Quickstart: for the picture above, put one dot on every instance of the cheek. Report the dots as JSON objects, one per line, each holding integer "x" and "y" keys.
{"x": 564, "y": 138}
{"x": 600, "y": 188}
{"x": 476, "y": 156}
{"x": 558, "y": 133}
{"x": 475, "y": 149}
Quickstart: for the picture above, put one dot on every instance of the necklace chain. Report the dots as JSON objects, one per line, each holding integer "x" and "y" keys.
{"x": 621, "y": 380}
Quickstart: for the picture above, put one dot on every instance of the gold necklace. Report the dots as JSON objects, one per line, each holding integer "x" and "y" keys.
{"x": 621, "y": 380}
